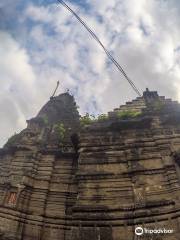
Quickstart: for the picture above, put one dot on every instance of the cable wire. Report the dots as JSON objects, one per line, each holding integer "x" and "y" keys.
{"x": 103, "y": 47}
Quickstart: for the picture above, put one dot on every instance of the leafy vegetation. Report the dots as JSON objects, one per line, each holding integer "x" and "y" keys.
{"x": 128, "y": 114}
{"x": 86, "y": 120}
{"x": 89, "y": 119}
{"x": 102, "y": 117}
{"x": 45, "y": 120}
{"x": 59, "y": 127}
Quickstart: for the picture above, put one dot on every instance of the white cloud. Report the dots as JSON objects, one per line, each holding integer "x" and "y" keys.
{"x": 17, "y": 92}
{"x": 143, "y": 36}
{"x": 137, "y": 35}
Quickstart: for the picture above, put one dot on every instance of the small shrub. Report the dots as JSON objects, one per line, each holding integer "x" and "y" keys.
{"x": 89, "y": 119}
{"x": 86, "y": 120}
{"x": 128, "y": 114}
{"x": 102, "y": 117}
{"x": 60, "y": 130}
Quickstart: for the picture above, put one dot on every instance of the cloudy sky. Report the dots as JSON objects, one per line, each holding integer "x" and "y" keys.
{"x": 41, "y": 43}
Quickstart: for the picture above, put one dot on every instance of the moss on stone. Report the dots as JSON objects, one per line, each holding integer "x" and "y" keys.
{"x": 128, "y": 114}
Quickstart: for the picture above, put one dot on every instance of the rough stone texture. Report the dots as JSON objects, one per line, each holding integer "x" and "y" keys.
{"x": 97, "y": 182}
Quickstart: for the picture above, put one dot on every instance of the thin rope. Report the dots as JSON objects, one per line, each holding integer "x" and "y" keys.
{"x": 103, "y": 47}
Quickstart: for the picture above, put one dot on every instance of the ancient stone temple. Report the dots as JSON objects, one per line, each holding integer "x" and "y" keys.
{"x": 66, "y": 179}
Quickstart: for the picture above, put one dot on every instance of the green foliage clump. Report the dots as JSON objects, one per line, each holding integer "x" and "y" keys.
{"x": 128, "y": 114}
{"x": 102, "y": 117}
{"x": 60, "y": 130}
{"x": 87, "y": 119}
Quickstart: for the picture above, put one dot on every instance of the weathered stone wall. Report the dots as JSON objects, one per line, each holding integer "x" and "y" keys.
{"x": 128, "y": 178}
{"x": 116, "y": 175}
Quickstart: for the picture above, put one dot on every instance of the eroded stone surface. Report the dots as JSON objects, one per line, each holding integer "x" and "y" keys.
{"x": 98, "y": 182}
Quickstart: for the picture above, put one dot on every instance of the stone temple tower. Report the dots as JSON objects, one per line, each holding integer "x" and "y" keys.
{"x": 63, "y": 178}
